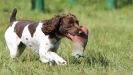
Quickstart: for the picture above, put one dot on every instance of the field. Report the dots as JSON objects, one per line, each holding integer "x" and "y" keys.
{"x": 108, "y": 52}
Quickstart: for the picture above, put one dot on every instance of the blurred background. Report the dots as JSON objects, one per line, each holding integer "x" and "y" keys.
{"x": 110, "y": 46}
{"x": 58, "y": 6}
{"x": 42, "y": 9}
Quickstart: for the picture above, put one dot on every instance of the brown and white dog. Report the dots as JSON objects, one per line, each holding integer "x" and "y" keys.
{"x": 44, "y": 36}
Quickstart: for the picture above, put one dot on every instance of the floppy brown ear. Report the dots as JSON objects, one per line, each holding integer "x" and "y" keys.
{"x": 51, "y": 25}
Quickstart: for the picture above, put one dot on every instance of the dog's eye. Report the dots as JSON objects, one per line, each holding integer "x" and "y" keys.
{"x": 77, "y": 22}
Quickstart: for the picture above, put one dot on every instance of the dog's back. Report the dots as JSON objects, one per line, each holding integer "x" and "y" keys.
{"x": 18, "y": 25}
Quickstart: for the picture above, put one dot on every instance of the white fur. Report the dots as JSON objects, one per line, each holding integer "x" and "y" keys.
{"x": 39, "y": 43}
{"x": 12, "y": 40}
{"x": 77, "y": 50}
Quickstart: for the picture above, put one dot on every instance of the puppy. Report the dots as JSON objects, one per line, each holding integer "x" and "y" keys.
{"x": 45, "y": 36}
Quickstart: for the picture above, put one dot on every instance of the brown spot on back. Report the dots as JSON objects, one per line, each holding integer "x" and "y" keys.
{"x": 32, "y": 28}
{"x": 19, "y": 27}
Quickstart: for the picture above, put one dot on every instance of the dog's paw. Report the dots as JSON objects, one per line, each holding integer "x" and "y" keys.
{"x": 61, "y": 62}
{"x": 57, "y": 63}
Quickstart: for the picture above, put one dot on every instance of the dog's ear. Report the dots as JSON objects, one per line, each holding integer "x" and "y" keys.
{"x": 51, "y": 25}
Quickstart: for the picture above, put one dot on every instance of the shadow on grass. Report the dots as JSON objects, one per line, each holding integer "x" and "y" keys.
{"x": 98, "y": 59}
{"x": 92, "y": 59}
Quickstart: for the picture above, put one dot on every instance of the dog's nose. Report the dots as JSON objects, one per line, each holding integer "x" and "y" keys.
{"x": 80, "y": 32}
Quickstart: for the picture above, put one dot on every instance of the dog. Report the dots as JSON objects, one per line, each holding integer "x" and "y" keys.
{"x": 44, "y": 37}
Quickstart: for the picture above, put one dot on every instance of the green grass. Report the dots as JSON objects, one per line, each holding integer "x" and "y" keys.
{"x": 109, "y": 50}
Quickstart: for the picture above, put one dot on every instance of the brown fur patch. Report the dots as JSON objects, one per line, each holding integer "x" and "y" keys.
{"x": 51, "y": 25}
{"x": 32, "y": 28}
{"x": 19, "y": 27}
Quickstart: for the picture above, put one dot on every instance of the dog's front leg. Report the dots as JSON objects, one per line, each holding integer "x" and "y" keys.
{"x": 48, "y": 56}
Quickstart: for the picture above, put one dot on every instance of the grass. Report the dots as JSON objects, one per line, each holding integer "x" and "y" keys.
{"x": 109, "y": 50}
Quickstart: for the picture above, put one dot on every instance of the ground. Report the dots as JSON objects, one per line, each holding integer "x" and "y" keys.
{"x": 108, "y": 52}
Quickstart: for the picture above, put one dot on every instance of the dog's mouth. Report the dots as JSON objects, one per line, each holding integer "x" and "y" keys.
{"x": 69, "y": 36}
{"x": 82, "y": 35}
{"x": 79, "y": 41}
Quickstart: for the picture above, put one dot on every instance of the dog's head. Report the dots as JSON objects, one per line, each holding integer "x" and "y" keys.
{"x": 67, "y": 25}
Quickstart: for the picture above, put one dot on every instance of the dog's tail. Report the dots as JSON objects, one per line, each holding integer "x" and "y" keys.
{"x": 13, "y": 15}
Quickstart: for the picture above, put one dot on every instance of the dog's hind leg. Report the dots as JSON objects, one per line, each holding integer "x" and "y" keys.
{"x": 16, "y": 50}
{"x": 12, "y": 45}
{"x": 13, "y": 42}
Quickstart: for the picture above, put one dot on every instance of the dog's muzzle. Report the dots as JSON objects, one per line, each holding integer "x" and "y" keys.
{"x": 79, "y": 42}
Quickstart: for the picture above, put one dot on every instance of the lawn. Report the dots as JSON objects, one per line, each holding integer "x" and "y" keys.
{"x": 110, "y": 46}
